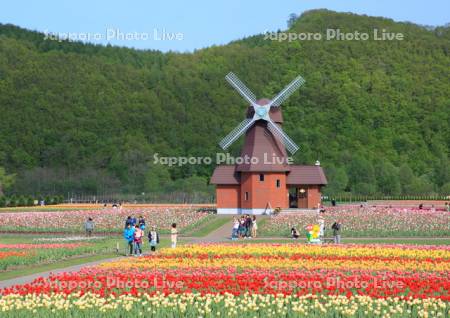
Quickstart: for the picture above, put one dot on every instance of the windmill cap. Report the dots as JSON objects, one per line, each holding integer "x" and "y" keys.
{"x": 275, "y": 112}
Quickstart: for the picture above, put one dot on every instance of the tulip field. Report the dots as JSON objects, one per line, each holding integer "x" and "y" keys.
{"x": 106, "y": 220}
{"x": 248, "y": 280}
{"x": 366, "y": 222}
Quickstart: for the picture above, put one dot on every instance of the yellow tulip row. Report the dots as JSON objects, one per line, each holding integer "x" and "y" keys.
{"x": 183, "y": 262}
{"x": 313, "y": 250}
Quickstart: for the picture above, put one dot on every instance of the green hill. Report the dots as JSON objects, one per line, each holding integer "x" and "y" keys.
{"x": 88, "y": 118}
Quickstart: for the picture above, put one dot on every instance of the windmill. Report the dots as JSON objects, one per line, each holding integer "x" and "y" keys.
{"x": 262, "y": 109}
{"x": 269, "y": 179}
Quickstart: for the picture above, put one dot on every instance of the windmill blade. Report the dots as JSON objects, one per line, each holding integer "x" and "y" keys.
{"x": 236, "y": 133}
{"x": 281, "y": 135}
{"x": 287, "y": 91}
{"x": 241, "y": 88}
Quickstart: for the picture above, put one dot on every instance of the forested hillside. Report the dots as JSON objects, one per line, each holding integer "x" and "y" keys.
{"x": 88, "y": 119}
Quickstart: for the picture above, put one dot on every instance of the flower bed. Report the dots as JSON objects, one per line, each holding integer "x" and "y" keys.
{"x": 27, "y": 246}
{"x": 365, "y": 222}
{"x": 31, "y": 254}
{"x": 263, "y": 280}
{"x": 68, "y": 239}
{"x": 107, "y": 220}
{"x": 6, "y": 254}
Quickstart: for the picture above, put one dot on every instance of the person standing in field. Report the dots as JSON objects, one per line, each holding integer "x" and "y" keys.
{"x": 153, "y": 238}
{"x": 234, "y": 233}
{"x": 336, "y": 227}
{"x": 128, "y": 221}
{"x": 133, "y": 220}
{"x": 254, "y": 226}
{"x": 174, "y": 235}
{"x": 321, "y": 222}
{"x": 248, "y": 226}
{"x": 137, "y": 237}
{"x": 89, "y": 227}
{"x": 128, "y": 235}
{"x": 141, "y": 223}
{"x": 294, "y": 233}
{"x": 242, "y": 227}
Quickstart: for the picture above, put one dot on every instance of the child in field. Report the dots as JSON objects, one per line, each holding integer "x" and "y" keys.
{"x": 128, "y": 234}
{"x": 153, "y": 238}
{"x": 254, "y": 226}
{"x": 174, "y": 235}
{"x": 138, "y": 234}
{"x": 142, "y": 223}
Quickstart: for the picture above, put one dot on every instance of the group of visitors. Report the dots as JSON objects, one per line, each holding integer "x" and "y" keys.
{"x": 134, "y": 234}
{"x": 244, "y": 227}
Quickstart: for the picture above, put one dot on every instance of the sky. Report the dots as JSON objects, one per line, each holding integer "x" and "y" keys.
{"x": 188, "y": 25}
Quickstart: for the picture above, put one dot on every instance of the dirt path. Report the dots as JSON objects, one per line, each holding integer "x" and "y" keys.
{"x": 218, "y": 235}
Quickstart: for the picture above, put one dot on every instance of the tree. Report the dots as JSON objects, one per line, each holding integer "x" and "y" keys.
{"x": 387, "y": 179}
{"x": 337, "y": 180}
{"x": 420, "y": 186}
{"x": 6, "y": 180}
{"x": 361, "y": 172}
{"x": 157, "y": 179}
{"x": 406, "y": 177}
{"x": 445, "y": 189}
{"x": 364, "y": 188}
{"x": 291, "y": 20}
{"x": 441, "y": 173}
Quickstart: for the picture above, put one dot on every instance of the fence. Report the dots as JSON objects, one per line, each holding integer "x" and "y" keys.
{"x": 347, "y": 197}
{"x": 174, "y": 197}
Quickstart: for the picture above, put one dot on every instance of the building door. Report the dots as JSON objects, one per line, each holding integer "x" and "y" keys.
{"x": 293, "y": 198}
{"x": 302, "y": 197}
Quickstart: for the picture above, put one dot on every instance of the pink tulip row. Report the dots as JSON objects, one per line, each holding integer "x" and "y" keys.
{"x": 104, "y": 220}
{"x": 367, "y": 221}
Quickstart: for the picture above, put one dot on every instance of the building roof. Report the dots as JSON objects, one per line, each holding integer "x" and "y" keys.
{"x": 306, "y": 175}
{"x": 298, "y": 175}
{"x": 264, "y": 151}
{"x": 225, "y": 174}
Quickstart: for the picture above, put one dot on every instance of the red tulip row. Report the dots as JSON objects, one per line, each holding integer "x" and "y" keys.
{"x": 377, "y": 284}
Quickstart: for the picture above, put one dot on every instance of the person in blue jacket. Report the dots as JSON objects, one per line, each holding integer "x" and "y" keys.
{"x": 133, "y": 221}
{"x": 128, "y": 234}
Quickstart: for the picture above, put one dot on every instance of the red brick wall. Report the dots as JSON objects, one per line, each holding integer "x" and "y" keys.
{"x": 262, "y": 192}
{"x": 312, "y": 199}
{"x": 313, "y": 196}
{"x": 227, "y": 196}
